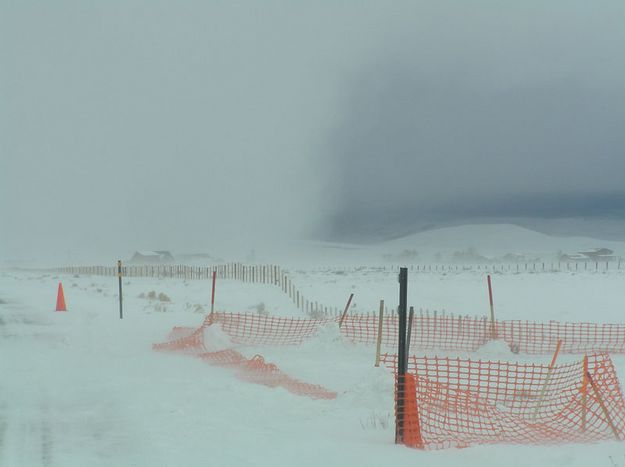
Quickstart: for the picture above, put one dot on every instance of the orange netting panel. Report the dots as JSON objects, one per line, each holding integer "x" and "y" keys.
{"x": 540, "y": 338}
{"x": 184, "y": 339}
{"x": 428, "y": 333}
{"x": 254, "y": 329}
{"x": 179, "y": 332}
{"x": 256, "y": 370}
{"x": 451, "y": 333}
{"x": 431, "y": 332}
{"x": 465, "y": 402}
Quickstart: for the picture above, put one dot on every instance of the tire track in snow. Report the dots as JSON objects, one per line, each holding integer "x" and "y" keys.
{"x": 25, "y": 434}
{"x": 57, "y": 422}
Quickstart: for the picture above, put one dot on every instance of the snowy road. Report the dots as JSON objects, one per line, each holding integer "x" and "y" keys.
{"x": 83, "y": 388}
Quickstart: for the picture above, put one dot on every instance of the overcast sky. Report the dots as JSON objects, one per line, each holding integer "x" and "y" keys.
{"x": 193, "y": 126}
{"x": 492, "y": 111}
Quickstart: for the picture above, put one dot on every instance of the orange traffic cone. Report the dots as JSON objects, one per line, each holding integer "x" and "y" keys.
{"x": 60, "y": 299}
{"x": 412, "y": 424}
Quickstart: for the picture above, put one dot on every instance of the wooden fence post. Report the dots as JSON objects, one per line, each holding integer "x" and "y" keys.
{"x": 493, "y": 330}
{"x": 346, "y": 309}
{"x": 378, "y": 346}
{"x": 543, "y": 390}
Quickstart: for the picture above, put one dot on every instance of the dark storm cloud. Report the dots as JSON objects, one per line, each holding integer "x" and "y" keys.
{"x": 505, "y": 112}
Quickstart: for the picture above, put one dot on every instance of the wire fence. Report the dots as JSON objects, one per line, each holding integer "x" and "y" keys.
{"x": 533, "y": 267}
{"x": 257, "y": 274}
{"x": 281, "y": 278}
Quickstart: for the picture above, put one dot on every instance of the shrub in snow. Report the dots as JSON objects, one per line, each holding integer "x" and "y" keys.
{"x": 318, "y": 314}
{"x": 376, "y": 421}
{"x": 163, "y": 298}
{"x": 151, "y": 295}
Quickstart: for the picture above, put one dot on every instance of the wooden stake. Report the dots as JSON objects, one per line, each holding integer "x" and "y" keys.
{"x": 584, "y": 392}
{"x": 346, "y": 310}
{"x": 543, "y": 391}
{"x": 119, "y": 276}
{"x": 378, "y": 346}
{"x": 604, "y": 409}
{"x": 213, "y": 293}
{"x": 493, "y": 331}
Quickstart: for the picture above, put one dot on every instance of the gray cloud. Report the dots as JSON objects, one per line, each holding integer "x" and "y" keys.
{"x": 137, "y": 125}
{"x": 222, "y": 126}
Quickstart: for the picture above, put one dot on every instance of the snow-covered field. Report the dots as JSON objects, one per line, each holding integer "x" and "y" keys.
{"x": 84, "y": 388}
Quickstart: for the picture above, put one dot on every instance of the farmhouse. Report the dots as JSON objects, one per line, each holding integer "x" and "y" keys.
{"x": 152, "y": 257}
{"x": 595, "y": 254}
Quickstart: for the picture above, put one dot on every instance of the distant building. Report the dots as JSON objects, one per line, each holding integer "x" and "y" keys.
{"x": 152, "y": 257}
{"x": 596, "y": 254}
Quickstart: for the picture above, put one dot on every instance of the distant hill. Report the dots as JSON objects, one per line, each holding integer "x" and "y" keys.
{"x": 491, "y": 241}
{"x": 464, "y": 244}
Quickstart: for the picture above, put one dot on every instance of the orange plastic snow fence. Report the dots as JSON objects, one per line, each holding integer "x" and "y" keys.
{"x": 458, "y": 403}
{"x": 255, "y": 329}
{"x": 60, "y": 299}
{"x": 189, "y": 340}
{"x": 429, "y": 332}
{"x": 254, "y": 370}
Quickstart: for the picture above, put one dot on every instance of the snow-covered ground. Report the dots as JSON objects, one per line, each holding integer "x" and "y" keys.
{"x": 461, "y": 243}
{"x": 84, "y": 388}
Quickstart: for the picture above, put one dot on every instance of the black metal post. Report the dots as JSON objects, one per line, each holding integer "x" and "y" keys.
{"x": 119, "y": 276}
{"x": 401, "y": 354}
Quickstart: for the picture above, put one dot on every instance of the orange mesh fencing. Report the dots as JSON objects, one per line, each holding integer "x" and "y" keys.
{"x": 441, "y": 332}
{"x": 459, "y": 402}
{"x": 254, "y": 329}
{"x": 187, "y": 340}
{"x": 579, "y": 338}
{"x": 429, "y": 332}
{"x": 448, "y": 332}
{"x": 256, "y": 370}
{"x": 435, "y": 332}
{"x": 179, "y": 332}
